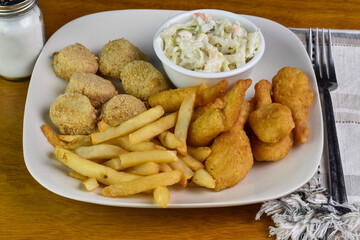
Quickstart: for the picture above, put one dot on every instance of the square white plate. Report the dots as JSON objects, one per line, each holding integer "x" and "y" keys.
{"x": 264, "y": 182}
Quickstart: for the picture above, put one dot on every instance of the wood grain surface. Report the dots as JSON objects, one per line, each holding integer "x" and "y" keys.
{"x": 29, "y": 211}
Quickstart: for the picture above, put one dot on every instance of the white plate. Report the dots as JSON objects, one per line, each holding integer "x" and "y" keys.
{"x": 264, "y": 182}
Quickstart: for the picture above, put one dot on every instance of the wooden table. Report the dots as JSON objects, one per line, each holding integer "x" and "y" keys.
{"x": 29, "y": 211}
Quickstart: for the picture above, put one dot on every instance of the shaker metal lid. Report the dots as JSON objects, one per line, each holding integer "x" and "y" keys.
{"x": 15, "y": 7}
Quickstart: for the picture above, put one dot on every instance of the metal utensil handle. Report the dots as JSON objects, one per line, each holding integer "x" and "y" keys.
{"x": 338, "y": 189}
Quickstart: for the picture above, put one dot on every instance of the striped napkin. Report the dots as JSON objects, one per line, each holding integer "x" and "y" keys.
{"x": 346, "y": 103}
{"x": 309, "y": 213}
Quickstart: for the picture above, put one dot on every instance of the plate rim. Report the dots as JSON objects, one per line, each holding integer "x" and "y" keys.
{"x": 152, "y": 205}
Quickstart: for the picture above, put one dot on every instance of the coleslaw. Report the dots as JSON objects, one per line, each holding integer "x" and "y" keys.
{"x": 207, "y": 44}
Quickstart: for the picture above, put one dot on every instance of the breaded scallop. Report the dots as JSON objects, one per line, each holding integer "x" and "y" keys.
{"x": 121, "y": 108}
{"x": 142, "y": 80}
{"x": 116, "y": 54}
{"x": 96, "y": 88}
{"x": 73, "y": 59}
{"x": 73, "y": 113}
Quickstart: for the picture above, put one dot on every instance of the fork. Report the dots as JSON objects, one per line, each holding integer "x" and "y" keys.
{"x": 326, "y": 80}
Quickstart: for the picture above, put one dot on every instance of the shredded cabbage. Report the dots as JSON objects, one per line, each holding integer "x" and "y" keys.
{"x": 205, "y": 44}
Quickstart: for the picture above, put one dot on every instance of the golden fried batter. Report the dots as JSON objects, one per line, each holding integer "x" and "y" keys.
{"x": 215, "y": 121}
{"x": 231, "y": 156}
{"x": 96, "y": 88}
{"x": 206, "y": 127}
{"x": 171, "y": 99}
{"x": 142, "y": 80}
{"x": 218, "y": 103}
{"x": 120, "y": 108}
{"x": 73, "y": 59}
{"x": 116, "y": 54}
{"x": 270, "y": 121}
{"x": 291, "y": 88}
{"x": 271, "y": 151}
{"x": 73, "y": 113}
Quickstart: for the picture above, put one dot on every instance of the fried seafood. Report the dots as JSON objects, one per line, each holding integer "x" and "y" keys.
{"x": 171, "y": 99}
{"x": 142, "y": 80}
{"x": 73, "y": 113}
{"x": 218, "y": 103}
{"x": 73, "y": 59}
{"x": 231, "y": 156}
{"x": 271, "y": 151}
{"x": 120, "y": 108}
{"x": 206, "y": 127}
{"x": 270, "y": 121}
{"x": 96, "y": 88}
{"x": 291, "y": 88}
{"x": 116, "y": 54}
{"x": 215, "y": 121}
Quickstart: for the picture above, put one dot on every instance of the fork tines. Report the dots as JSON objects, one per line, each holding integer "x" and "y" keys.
{"x": 325, "y": 72}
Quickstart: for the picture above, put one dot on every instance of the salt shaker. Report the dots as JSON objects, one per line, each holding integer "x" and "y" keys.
{"x": 21, "y": 38}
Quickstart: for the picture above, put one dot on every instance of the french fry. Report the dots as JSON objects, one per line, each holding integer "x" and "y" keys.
{"x": 203, "y": 178}
{"x": 100, "y": 151}
{"x": 114, "y": 163}
{"x": 68, "y": 138}
{"x": 158, "y": 144}
{"x": 125, "y": 143}
{"x": 90, "y": 184}
{"x": 186, "y": 172}
{"x": 83, "y": 140}
{"x": 144, "y": 169}
{"x": 142, "y": 184}
{"x": 158, "y": 147}
{"x": 192, "y": 162}
{"x": 102, "y": 126}
{"x": 77, "y": 176}
{"x": 88, "y": 168}
{"x": 183, "y": 121}
{"x": 51, "y": 136}
{"x": 164, "y": 167}
{"x": 162, "y": 196}
{"x": 153, "y": 129}
{"x": 156, "y": 141}
{"x": 169, "y": 140}
{"x": 199, "y": 153}
{"x": 128, "y": 126}
{"x": 135, "y": 158}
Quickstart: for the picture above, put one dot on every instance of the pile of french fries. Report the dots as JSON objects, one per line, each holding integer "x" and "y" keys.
{"x": 145, "y": 154}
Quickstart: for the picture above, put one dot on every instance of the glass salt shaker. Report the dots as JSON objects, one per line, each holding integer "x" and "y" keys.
{"x": 22, "y": 37}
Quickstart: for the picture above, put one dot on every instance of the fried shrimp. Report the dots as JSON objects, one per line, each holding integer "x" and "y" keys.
{"x": 291, "y": 88}
{"x": 96, "y": 88}
{"x": 270, "y": 121}
{"x": 116, "y": 54}
{"x": 142, "y": 80}
{"x": 271, "y": 151}
{"x": 121, "y": 108}
{"x": 73, "y": 113}
{"x": 272, "y": 125}
{"x": 73, "y": 59}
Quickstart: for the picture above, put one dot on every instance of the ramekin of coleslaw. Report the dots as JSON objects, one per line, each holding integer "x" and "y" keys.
{"x": 208, "y": 45}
